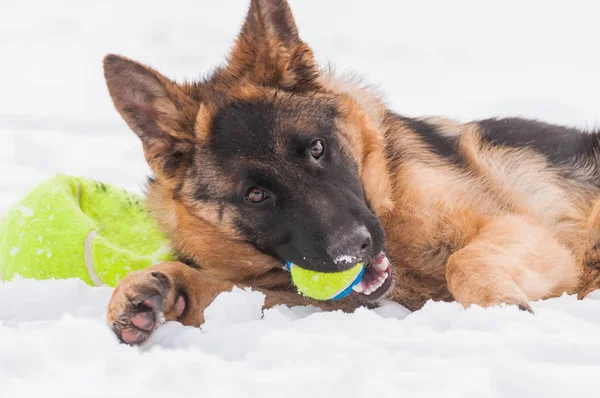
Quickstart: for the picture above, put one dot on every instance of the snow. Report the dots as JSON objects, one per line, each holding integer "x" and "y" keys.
{"x": 345, "y": 259}
{"x": 464, "y": 59}
{"x": 53, "y": 340}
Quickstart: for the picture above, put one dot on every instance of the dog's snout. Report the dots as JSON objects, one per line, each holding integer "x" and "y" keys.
{"x": 350, "y": 246}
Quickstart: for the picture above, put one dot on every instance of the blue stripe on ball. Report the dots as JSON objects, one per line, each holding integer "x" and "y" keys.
{"x": 348, "y": 290}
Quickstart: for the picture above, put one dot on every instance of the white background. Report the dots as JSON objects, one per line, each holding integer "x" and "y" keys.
{"x": 461, "y": 59}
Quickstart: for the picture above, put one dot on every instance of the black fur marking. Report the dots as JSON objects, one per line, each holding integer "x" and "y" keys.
{"x": 561, "y": 145}
{"x": 178, "y": 158}
{"x": 211, "y": 196}
{"x": 188, "y": 261}
{"x": 150, "y": 180}
{"x": 243, "y": 129}
{"x": 177, "y": 191}
{"x": 221, "y": 210}
{"x": 441, "y": 145}
{"x": 250, "y": 129}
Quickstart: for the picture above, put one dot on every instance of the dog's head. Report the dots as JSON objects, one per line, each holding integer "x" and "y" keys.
{"x": 263, "y": 162}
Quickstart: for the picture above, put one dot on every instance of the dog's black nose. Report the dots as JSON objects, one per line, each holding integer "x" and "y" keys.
{"x": 350, "y": 246}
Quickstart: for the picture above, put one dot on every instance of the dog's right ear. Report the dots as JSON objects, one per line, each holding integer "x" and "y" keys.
{"x": 269, "y": 50}
{"x": 159, "y": 111}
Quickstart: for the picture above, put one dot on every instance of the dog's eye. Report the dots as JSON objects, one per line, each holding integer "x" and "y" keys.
{"x": 317, "y": 149}
{"x": 257, "y": 195}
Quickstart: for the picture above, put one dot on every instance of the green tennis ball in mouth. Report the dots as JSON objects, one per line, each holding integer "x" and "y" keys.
{"x": 325, "y": 285}
{"x": 70, "y": 227}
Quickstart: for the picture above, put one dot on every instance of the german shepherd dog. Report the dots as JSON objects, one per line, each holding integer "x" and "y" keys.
{"x": 271, "y": 159}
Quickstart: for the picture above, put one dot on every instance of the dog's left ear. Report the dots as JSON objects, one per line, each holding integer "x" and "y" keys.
{"x": 269, "y": 51}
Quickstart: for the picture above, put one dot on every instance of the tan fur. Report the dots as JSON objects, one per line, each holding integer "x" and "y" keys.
{"x": 220, "y": 254}
{"x": 367, "y": 97}
{"x": 513, "y": 261}
{"x": 445, "y": 126}
{"x": 367, "y": 146}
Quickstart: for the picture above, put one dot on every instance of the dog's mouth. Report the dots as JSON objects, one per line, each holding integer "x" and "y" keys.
{"x": 377, "y": 280}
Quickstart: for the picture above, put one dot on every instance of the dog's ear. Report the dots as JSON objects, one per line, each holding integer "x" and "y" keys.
{"x": 269, "y": 51}
{"x": 159, "y": 111}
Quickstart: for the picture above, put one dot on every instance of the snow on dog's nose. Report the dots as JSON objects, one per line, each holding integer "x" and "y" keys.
{"x": 351, "y": 247}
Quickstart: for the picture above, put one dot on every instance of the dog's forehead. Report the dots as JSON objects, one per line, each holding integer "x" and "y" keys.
{"x": 266, "y": 127}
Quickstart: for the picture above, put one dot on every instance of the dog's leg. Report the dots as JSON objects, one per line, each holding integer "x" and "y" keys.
{"x": 173, "y": 291}
{"x": 511, "y": 260}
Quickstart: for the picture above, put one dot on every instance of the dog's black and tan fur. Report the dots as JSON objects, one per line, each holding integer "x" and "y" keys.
{"x": 271, "y": 159}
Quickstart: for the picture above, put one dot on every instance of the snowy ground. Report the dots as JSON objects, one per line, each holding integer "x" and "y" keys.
{"x": 464, "y": 59}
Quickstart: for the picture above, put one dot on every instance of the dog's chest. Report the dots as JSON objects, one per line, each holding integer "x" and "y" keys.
{"x": 422, "y": 241}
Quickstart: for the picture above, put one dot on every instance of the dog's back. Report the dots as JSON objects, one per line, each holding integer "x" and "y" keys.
{"x": 450, "y": 179}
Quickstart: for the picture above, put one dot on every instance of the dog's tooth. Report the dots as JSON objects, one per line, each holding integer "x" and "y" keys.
{"x": 367, "y": 292}
{"x": 385, "y": 276}
{"x": 359, "y": 287}
{"x": 383, "y": 265}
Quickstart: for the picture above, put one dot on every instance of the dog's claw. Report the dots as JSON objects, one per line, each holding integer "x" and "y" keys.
{"x": 525, "y": 307}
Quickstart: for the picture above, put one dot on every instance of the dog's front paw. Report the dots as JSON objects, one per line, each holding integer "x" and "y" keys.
{"x": 142, "y": 302}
